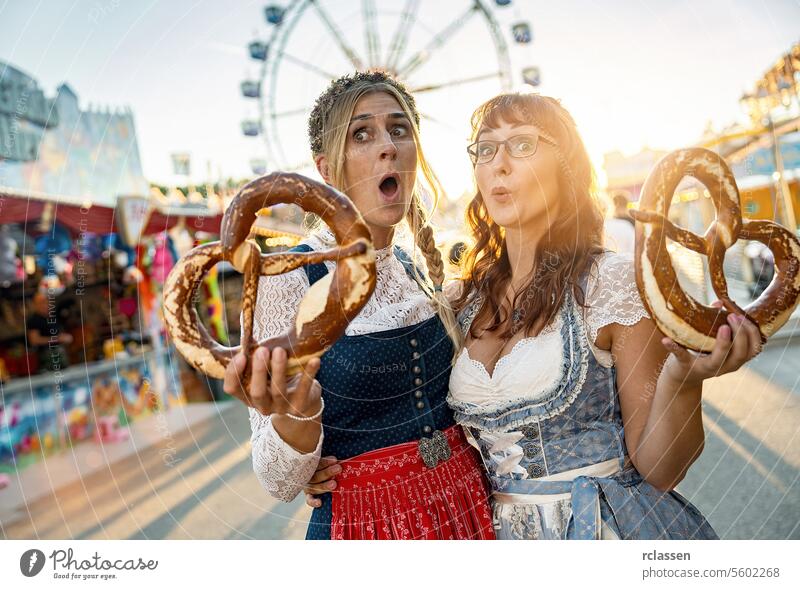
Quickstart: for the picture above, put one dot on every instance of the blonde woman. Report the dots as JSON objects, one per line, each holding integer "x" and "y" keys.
{"x": 378, "y": 403}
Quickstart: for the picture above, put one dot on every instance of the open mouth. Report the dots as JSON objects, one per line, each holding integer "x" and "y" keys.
{"x": 390, "y": 185}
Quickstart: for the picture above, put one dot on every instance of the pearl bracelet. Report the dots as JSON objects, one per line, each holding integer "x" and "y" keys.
{"x": 313, "y": 417}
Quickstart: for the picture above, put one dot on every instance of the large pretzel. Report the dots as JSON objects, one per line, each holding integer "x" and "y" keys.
{"x": 328, "y": 306}
{"x": 679, "y": 316}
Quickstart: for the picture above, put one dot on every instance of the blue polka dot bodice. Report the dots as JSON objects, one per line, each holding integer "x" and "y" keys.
{"x": 381, "y": 389}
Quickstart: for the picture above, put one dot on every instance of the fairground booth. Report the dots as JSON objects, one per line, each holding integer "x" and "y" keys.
{"x": 85, "y": 246}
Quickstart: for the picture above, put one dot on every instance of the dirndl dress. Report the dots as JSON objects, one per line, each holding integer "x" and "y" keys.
{"x": 549, "y": 428}
{"x": 408, "y": 471}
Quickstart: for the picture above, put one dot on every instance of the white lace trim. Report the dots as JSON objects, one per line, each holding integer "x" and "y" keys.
{"x": 473, "y": 383}
{"x": 547, "y": 330}
{"x": 398, "y": 301}
{"x": 612, "y": 297}
{"x": 281, "y": 470}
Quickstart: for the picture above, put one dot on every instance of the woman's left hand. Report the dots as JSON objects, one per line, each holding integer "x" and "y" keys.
{"x": 736, "y": 343}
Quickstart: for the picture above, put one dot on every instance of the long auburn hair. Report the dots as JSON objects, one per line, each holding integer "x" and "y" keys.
{"x": 573, "y": 239}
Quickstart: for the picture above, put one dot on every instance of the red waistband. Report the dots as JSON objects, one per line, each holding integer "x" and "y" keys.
{"x": 404, "y": 457}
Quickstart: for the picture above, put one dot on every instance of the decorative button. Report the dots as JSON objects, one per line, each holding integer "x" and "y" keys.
{"x": 427, "y": 429}
{"x": 531, "y": 450}
{"x": 418, "y": 394}
{"x": 415, "y": 355}
{"x": 420, "y": 405}
{"x": 416, "y": 370}
{"x": 530, "y": 431}
{"x": 535, "y": 470}
{"x": 417, "y": 381}
{"x": 414, "y": 343}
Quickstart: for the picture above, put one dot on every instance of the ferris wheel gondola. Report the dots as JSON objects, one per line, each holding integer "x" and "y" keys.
{"x": 522, "y": 33}
{"x": 532, "y": 76}
{"x": 251, "y": 89}
{"x": 274, "y": 14}
{"x": 258, "y": 166}
{"x": 258, "y": 50}
{"x": 251, "y": 128}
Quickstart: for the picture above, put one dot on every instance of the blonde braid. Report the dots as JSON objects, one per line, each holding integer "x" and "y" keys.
{"x": 424, "y": 240}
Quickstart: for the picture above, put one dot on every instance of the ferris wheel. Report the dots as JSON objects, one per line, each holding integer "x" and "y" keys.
{"x": 442, "y": 51}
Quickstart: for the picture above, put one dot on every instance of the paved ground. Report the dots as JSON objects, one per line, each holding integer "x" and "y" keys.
{"x": 197, "y": 483}
{"x": 746, "y": 480}
{"x": 189, "y": 476}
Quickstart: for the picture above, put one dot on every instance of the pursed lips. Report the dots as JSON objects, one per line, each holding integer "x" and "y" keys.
{"x": 501, "y": 193}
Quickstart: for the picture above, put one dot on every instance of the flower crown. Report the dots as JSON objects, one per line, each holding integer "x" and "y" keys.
{"x": 338, "y": 87}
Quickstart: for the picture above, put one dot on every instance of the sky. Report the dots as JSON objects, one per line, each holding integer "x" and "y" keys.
{"x": 633, "y": 73}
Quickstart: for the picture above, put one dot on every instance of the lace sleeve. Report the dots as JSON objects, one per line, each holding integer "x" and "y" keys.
{"x": 277, "y": 301}
{"x": 281, "y": 470}
{"x": 612, "y": 294}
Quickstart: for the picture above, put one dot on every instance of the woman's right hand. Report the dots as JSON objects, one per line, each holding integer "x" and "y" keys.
{"x": 299, "y": 396}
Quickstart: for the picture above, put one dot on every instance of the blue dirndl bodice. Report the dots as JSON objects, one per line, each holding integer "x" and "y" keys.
{"x": 575, "y": 424}
{"x": 381, "y": 389}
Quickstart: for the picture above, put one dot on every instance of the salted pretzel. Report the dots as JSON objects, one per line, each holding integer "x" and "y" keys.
{"x": 679, "y": 316}
{"x": 323, "y": 313}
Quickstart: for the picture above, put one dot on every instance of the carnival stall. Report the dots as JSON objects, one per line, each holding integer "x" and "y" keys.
{"x": 82, "y": 346}
{"x": 91, "y": 276}
{"x": 86, "y": 244}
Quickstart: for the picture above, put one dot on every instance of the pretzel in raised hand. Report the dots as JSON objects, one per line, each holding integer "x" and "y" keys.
{"x": 679, "y": 316}
{"x": 328, "y": 306}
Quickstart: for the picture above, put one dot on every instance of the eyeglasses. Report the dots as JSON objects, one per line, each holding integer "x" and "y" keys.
{"x": 520, "y": 146}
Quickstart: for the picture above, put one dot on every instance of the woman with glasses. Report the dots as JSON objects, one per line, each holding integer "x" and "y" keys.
{"x": 586, "y": 417}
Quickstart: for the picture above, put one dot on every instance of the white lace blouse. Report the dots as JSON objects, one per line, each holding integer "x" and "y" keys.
{"x": 398, "y": 301}
{"x": 534, "y": 363}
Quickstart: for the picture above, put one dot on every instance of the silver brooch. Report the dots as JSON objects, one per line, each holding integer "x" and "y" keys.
{"x": 434, "y": 449}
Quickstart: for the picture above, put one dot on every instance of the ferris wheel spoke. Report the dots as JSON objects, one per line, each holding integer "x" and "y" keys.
{"x": 439, "y": 122}
{"x": 337, "y": 35}
{"x": 309, "y": 66}
{"x": 398, "y": 49}
{"x": 438, "y": 40}
{"x": 400, "y": 37}
{"x": 292, "y": 113}
{"x": 432, "y": 87}
{"x": 371, "y": 32}
{"x": 299, "y": 167}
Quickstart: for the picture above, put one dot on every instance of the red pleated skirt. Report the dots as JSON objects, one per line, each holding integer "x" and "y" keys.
{"x": 390, "y": 494}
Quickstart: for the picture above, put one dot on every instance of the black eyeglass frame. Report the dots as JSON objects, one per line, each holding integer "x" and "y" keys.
{"x": 472, "y": 147}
